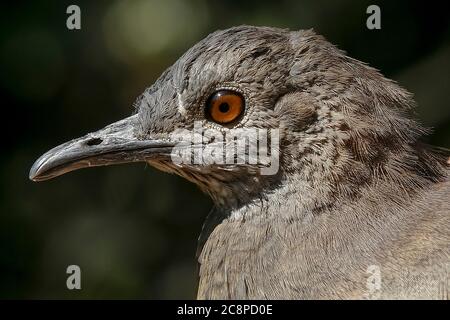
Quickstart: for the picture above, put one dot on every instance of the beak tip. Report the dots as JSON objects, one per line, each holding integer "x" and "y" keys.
{"x": 38, "y": 168}
{"x": 34, "y": 172}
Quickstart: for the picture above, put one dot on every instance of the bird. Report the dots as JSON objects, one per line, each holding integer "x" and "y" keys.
{"x": 356, "y": 206}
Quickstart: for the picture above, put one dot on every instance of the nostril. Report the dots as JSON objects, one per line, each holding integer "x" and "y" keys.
{"x": 94, "y": 141}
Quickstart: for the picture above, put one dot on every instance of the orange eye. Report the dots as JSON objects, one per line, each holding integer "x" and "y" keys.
{"x": 225, "y": 106}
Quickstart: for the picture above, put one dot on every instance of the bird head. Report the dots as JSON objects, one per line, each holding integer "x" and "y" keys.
{"x": 326, "y": 119}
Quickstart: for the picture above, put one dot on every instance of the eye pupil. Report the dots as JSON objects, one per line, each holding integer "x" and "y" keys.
{"x": 224, "y": 107}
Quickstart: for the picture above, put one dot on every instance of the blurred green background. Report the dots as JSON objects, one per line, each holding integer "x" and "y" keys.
{"x": 132, "y": 229}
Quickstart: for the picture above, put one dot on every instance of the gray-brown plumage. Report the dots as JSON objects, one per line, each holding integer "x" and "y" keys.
{"x": 355, "y": 188}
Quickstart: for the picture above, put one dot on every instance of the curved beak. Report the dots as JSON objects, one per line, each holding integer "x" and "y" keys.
{"x": 114, "y": 144}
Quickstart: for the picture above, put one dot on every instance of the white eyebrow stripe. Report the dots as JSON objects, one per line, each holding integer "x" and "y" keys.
{"x": 181, "y": 108}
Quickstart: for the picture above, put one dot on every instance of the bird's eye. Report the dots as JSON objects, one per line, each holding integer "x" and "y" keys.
{"x": 225, "y": 106}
